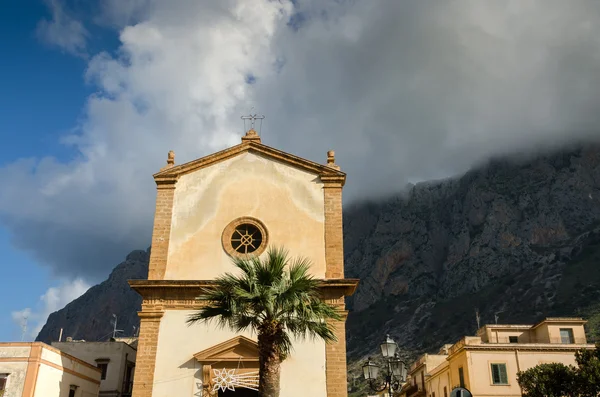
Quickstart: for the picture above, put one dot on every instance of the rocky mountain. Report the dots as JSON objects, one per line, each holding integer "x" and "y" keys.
{"x": 89, "y": 316}
{"x": 520, "y": 240}
{"x": 516, "y": 239}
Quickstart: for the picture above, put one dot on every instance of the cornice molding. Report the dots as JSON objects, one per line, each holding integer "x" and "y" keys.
{"x": 171, "y": 174}
{"x": 216, "y": 352}
{"x": 160, "y": 295}
{"x": 546, "y": 347}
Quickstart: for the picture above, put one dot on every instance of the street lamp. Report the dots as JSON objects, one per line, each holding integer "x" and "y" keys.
{"x": 395, "y": 369}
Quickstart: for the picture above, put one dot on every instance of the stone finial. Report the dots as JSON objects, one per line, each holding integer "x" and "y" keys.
{"x": 331, "y": 160}
{"x": 251, "y": 136}
{"x": 170, "y": 160}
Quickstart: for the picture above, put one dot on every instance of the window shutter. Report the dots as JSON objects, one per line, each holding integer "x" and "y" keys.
{"x": 503, "y": 374}
{"x": 495, "y": 374}
{"x": 499, "y": 375}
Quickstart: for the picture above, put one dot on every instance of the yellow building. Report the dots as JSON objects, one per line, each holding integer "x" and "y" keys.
{"x": 235, "y": 202}
{"x": 34, "y": 369}
{"x": 487, "y": 364}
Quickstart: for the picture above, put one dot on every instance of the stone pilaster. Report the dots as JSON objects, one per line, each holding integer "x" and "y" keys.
{"x": 162, "y": 229}
{"x": 334, "y": 230}
{"x": 143, "y": 379}
{"x": 335, "y": 361}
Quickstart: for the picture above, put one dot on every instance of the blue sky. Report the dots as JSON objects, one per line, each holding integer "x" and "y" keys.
{"x": 42, "y": 96}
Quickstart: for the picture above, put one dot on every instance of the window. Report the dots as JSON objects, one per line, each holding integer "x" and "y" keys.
{"x": 433, "y": 394}
{"x": 102, "y": 363}
{"x": 245, "y": 236}
{"x": 445, "y": 391}
{"x": 566, "y": 335}
{"x": 104, "y": 368}
{"x": 3, "y": 379}
{"x": 513, "y": 339}
{"x": 72, "y": 390}
{"x": 499, "y": 376}
{"x": 461, "y": 377}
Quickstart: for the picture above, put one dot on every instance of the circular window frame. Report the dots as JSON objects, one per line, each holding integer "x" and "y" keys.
{"x": 228, "y": 233}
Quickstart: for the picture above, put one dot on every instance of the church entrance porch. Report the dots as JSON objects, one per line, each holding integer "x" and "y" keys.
{"x": 230, "y": 369}
{"x": 238, "y": 393}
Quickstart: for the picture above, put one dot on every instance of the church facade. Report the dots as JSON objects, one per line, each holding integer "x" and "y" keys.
{"x": 237, "y": 202}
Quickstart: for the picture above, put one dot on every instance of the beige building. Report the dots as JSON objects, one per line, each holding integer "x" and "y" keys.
{"x": 487, "y": 364}
{"x": 116, "y": 360}
{"x": 38, "y": 370}
{"x": 235, "y": 202}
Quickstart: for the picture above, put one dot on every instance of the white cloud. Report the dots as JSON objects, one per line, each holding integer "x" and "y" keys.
{"x": 402, "y": 90}
{"x": 62, "y": 30}
{"x": 54, "y": 299}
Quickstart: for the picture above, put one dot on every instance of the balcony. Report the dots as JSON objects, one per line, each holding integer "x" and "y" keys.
{"x": 414, "y": 391}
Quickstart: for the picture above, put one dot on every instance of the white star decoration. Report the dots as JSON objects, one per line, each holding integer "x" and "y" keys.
{"x": 223, "y": 379}
{"x": 227, "y": 380}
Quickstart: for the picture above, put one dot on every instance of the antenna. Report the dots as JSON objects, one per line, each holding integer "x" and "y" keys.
{"x": 24, "y": 326}
{"x": 478, "y": 318}
{"x": 114, "y": 323}
{"x": 496, "y": 315}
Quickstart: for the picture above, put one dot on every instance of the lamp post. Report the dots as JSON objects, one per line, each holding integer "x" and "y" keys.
{"x": 395, "y": 369}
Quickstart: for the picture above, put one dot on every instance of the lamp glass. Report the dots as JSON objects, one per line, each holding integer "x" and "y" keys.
{"x": 370, "y": 370}
{"x": 397, "y": 367}
{"x": 388, "y": 348}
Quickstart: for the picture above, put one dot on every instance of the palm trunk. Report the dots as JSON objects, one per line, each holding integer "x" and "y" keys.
{"x": 269, "y": 361}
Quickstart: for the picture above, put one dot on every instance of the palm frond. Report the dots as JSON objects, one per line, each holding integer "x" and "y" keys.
{"x": 274, "y": 290}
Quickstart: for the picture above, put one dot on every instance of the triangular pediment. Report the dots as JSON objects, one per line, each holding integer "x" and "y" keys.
{"x": 174, "y": 172}
{"x": 237, "y": 349}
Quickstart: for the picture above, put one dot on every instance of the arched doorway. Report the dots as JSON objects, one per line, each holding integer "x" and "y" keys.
{"x": 241, "y": 392}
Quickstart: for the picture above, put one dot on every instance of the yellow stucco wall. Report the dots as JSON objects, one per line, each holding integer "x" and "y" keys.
{"x": 16, "y": 378}
{"x": 14, "y": 351}
{"x": 178, "y": 373}
{"x": 54, "y": 382}
{"x": 288, "y": 201}
{"x": 68, "y": 363}
{"x": 460, "y": 360}
{"x": 477, "y": 368}
{"x": 503, "y": 336}
{"x": 439, "y": 379}
{"x": 554, "y": 332}
{"x": 541, "y": 334}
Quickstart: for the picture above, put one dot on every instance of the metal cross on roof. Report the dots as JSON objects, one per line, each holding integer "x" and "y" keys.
{"x": 252, "y": 118}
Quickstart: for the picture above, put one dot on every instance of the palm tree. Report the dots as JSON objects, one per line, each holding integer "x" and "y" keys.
{"x": 274, "y": 297}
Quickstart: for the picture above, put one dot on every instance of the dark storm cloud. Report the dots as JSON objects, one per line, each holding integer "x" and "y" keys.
{"x": 402, "y": 90}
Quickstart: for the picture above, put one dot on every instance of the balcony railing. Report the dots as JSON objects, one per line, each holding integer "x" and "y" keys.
{"x": 574, "y": 341}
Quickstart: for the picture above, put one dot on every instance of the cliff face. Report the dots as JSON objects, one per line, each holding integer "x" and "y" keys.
{"x": 88, "y": 317}
{"x": 518, "y": 240}
{"x": 521, "y": 240}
